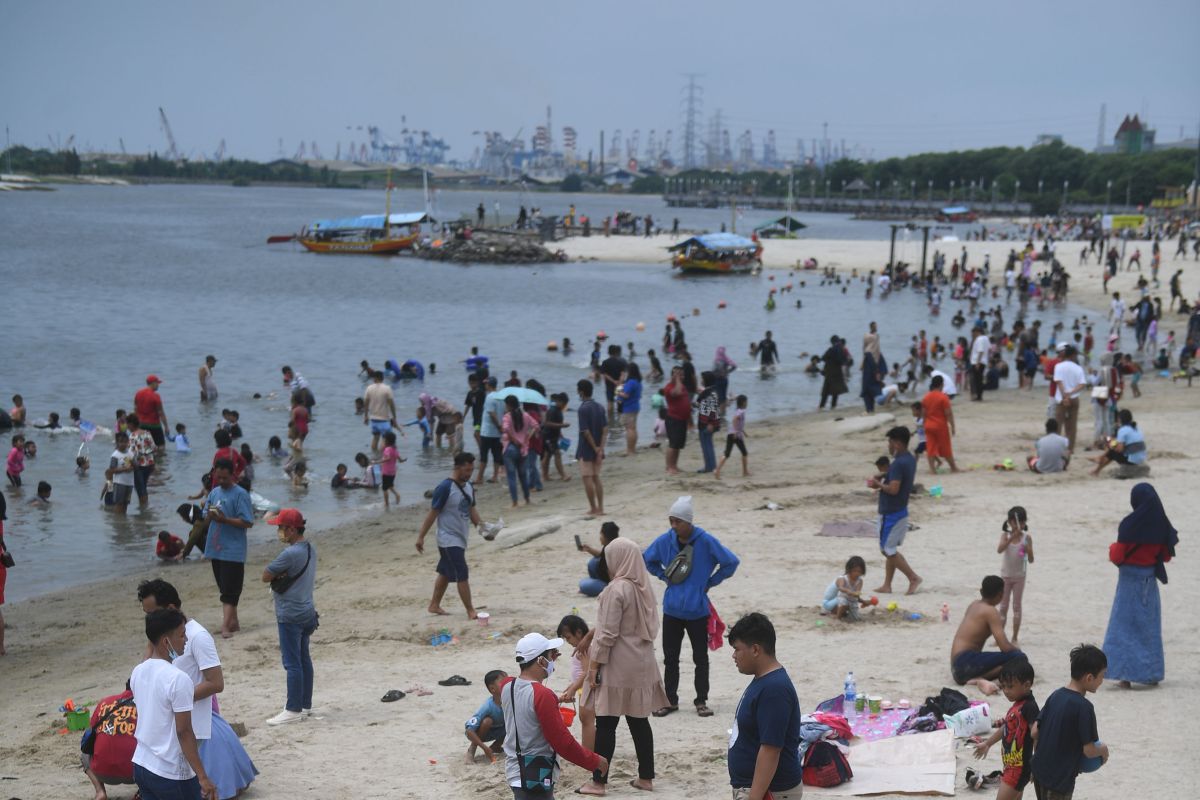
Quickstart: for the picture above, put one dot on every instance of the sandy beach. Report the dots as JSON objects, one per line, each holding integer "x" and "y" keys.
{"x": 373, "y": 587}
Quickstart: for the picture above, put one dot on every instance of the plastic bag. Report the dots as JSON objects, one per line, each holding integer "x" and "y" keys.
{"x": 974, "y": 721}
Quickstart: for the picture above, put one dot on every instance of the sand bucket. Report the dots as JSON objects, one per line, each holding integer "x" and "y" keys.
{"x": 568, "y": 714}
{"x": 484, "y": 618}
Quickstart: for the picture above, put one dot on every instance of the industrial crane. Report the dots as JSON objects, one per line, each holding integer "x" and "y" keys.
{"x": 172, "y": 150}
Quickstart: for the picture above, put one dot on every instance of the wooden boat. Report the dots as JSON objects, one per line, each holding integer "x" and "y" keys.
{"x": 717, "y": 253}
{"x": 373, "y": 234}
{"x": 956, "y": 214}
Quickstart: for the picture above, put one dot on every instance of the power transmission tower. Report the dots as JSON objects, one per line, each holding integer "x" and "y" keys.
{"x": 693, "y": 102}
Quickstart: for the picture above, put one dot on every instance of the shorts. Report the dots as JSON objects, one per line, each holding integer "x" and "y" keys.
{"x": 452, "y": 563}
{"x": 388, "y": 481}
{"x": 490, "y": 445}
{"x": 14, "y": 478}
{"x": 1016, "y": 776}
{"x": 444, "y": 428}
{"x": 795, "y": 793}
{"x": 920, "y": 448}
{"x": 86, "y": 761}
{"x": 892, "y": 528}
{"x": 589, "y": 468}
{"x": 972, "y": 663}
{"x": 230, "y": 576}
{"x": 629, "y": 419}
{"x": 122, "y": 493}
{"x": 1042, "y": 793}
{"x": 732, "y": 440}
{"x": 380, "y": 426}
{"x": 610, "y": 391}
{"x": 676, "y": 433}
{"x": 156, "y": 433}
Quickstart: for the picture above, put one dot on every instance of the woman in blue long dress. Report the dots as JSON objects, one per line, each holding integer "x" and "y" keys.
{"x": 1145, "y": 541}
{"x": 873, "y": 368}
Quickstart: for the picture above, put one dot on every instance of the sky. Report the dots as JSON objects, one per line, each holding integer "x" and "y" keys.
{"x": 889, "y": 77}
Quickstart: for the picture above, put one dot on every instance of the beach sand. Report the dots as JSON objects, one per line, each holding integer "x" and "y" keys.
{"x": 373, "y": 587}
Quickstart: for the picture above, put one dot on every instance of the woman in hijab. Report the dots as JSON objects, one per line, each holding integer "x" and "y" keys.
{"x": 1145, "y": 541}
{"x": 722, "y": 366}
{"x": 873, "y": 370}
{"x": 834, "y": 369}
{"x": 623, "y": 673}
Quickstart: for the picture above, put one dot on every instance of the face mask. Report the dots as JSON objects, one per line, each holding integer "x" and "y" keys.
{"x": 282, "y": 536}
{"x": 171, "y": 654}
{"x": 549, "y": 668}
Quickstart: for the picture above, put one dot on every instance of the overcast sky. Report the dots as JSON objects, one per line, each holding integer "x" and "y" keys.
{"x": 889, "y": 77}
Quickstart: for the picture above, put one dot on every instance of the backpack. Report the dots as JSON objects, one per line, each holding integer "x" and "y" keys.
{"x": 946, "y": 702}
{"x": 825, "y": 766}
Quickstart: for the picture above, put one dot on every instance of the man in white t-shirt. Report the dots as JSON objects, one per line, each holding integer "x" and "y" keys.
{"x": 948, "y": 386}
{"x": 120, "y": 472}
{"x": 1116, "y": 315}
{"x": 166, "y": 762}
{"x": 979, "y": 353}
{"x": 379, "y": 408}
{"x": 1069, "y": 382}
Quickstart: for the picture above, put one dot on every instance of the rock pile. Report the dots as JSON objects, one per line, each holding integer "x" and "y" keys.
{"x": 492, "y": 249}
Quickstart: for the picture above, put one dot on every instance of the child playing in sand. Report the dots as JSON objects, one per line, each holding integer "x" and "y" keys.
{"x": 168, "y": 548}
{"x": 1016, "y": 547}
{"x": 843, "y": 598}
{"x": 1016, "y": 731}
{"x": 485, "y": 728}
{"x": 736, "y": 438}
{"x": 387, "y": 467}
{"x": 1067, "y": 726}
{"x": 573, "y": 629}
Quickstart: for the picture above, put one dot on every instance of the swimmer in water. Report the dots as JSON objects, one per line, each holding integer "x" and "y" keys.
{"x": 17, "y": 412}
{"x": 50, "y": 424}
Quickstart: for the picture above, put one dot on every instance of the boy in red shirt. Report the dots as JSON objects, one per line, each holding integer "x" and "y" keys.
{"x": 1016, "y": 731}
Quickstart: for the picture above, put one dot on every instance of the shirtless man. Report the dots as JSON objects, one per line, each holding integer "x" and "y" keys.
{"x": 208, "y": 386}
{"x": 968, "y": 663}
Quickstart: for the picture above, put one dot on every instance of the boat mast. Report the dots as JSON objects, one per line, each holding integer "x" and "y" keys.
{"x": 387, "y": 214}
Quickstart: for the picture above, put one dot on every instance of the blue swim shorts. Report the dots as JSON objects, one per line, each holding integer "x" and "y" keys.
{"x": 892, "y": 528}
{"x": 381, "y": 426}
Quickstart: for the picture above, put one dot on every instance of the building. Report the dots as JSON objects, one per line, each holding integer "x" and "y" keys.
{"x": 1133, "y": 136}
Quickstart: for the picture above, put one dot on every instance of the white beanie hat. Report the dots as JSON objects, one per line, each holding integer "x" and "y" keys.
{"x": 682, "y": 509}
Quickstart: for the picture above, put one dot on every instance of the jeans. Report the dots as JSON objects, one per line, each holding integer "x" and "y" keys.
{"x": 141, "y": 476}
{"x": 514, "y": 467}
{"x": 672, "y": 639}
{"x": 156, "y": 787}
{"x": 533, "y": 471}
{"x": 706, "y": 449}
{"x": 643, "y": 744}
{"x": 592, "y": 585}
{"x": 297, "y": 663}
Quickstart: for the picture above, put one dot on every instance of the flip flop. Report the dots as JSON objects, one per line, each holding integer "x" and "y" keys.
{"x": 662, "y": 712}
{"x": 455, "y": 680}
{"x": 704, "y": 711}
{"x": 392, "y": 696}
{"x": 419, "y": 691}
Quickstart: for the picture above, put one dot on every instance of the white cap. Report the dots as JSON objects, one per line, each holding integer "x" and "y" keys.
{"x": 682, "y": 509}
{"x": 1062, "y": 346}
{"x": 533, "y": 645}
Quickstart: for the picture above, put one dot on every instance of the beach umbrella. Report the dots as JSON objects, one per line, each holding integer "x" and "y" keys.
{"x": 524, "y": 395}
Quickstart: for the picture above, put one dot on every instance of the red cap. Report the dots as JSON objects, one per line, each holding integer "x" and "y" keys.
{"x": 153, "y": 379}
{"x": 291, "y": 517}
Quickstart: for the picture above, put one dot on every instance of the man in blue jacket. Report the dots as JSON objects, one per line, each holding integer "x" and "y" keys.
{"x": 691, "y": 561}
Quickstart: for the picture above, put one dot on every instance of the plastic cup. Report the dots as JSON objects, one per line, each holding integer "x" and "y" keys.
{"x": 875, "y": 703}
{"x": 860, "y": 703}
{"x": 484, "y": 618}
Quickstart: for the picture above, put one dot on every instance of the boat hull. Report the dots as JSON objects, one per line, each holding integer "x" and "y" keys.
{"x": 715, "y": 266}
{"x": 387, "y": 246}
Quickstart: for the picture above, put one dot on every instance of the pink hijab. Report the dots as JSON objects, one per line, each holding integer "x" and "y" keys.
{"x": 721, "y": 358}
{"x": 625, "y": 564}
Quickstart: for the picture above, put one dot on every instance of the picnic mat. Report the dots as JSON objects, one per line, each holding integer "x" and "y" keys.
{"x": 846, "y": 530}
{"x": 916, "y": 764}
{"x": 883, "y": 725}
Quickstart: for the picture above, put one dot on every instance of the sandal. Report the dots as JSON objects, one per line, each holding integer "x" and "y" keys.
{"x": 704, "y": 711}
{"x": 455, "y": 680}
{"x": 662, "y": 712}
{"x": 392, "y": 696}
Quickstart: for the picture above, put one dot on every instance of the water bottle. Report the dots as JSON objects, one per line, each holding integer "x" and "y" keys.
{"x": 850, "y": 688}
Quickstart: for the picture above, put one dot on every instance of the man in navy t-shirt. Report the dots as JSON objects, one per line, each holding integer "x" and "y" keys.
{"x": 894, "y": 490}
{"x": 764, "y": 744}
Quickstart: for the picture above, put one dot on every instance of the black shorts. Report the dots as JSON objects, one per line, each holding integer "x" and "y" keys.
{"x": 443, "y": 428}
{"x": 676, "y": 433}
{"x": 388, "y": 481}
{"x": 230, "y": 576}
{"x": 1113, "y": 455}
{"x": 452, "y": 563}
{"x": 732, "y": 441}
{"x": 156, "y": 433}
{"x": 490, "y": 444}
{"x": 610, "y": 391}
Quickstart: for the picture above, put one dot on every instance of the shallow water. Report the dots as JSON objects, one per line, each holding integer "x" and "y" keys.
{"x": 103, "y": 285}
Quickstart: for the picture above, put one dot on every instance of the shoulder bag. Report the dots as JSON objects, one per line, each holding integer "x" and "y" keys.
{"x": 281, "y": 583}
{"x": 537, "y": 772}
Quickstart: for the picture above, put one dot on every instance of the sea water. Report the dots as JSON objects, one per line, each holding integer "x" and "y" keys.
{"x": 104, "y": 285}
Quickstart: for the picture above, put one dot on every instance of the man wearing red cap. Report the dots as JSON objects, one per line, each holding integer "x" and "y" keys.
{"x": 149, "y": 409}
{"x": 292, "y": 575}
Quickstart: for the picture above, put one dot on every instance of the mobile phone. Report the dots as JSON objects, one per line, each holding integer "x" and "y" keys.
{"x": 578, "y": 543}
{"x": 598, "y": 669}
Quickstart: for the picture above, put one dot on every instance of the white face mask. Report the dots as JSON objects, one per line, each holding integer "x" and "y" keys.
{"x": 549, "y": 668}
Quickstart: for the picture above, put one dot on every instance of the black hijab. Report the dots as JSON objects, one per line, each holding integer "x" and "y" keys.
{"x": 1148, "y": 524}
